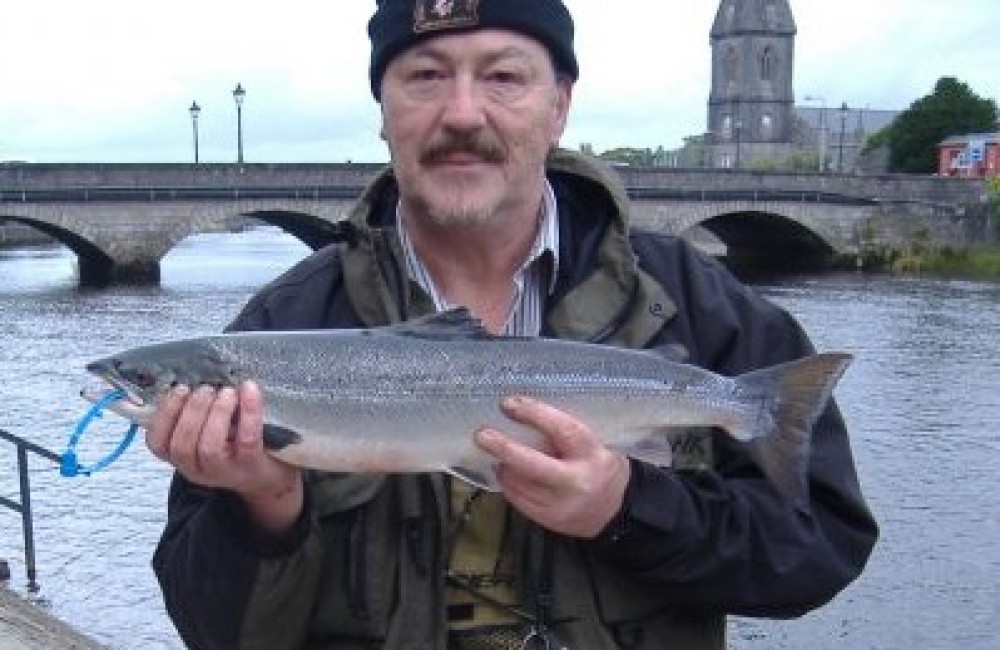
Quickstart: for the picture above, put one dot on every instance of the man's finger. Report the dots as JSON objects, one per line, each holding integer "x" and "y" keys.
{"x": 183, "y": 449}
{"x": 250, "y": 420}
{"x": 214, "y": 438}
{"x": 568, "y": 436}
{"x": 523, "y": 461}
{"x": 165, "y": 419}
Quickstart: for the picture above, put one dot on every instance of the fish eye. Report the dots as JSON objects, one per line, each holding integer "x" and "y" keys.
{"x": 144, "y": 379}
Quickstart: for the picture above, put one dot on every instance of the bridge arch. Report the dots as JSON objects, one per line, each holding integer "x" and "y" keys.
{"x": 312, "y": 230}
{"x": 124, "y": 241}
{"x": 94, "y": 265}
{"x": 768, "y": 241}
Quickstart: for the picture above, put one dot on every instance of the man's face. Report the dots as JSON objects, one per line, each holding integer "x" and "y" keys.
{"x": 469, "y": 120}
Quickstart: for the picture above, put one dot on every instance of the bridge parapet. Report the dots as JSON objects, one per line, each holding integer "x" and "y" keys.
{"x": 892, "y": 187}
{"x": 48, "y": 176}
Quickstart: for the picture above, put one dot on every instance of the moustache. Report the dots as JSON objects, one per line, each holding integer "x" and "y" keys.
{"x": 482, "y": 148}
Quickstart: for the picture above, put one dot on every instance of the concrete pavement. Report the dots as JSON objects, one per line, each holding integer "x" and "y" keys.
{"x": 27, "y": 626}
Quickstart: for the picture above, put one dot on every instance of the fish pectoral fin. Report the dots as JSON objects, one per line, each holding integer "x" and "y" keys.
{"x": 477, "y": 475}
{"x": 655, "y": 447}
{"x": 277, "y": 437}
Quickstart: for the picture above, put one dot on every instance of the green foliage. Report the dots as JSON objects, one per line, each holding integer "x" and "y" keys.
{"x": 952, "y": 109}
{"x": 982, "y": 262}
{"x": 799, "y": 161}
{"x": 877, "y": 140}
{"x": 993, "y": 192}
{"x": 628, "y": 156}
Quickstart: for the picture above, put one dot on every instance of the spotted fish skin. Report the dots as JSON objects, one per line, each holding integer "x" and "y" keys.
{"x": 409, "y": 397}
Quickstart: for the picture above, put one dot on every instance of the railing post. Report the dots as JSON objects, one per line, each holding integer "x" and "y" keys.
{"x": 23, "y": 506}
{"x": 26, "y": 519}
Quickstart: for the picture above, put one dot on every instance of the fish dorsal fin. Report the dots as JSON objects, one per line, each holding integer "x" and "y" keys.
{"x": 457, "y": 323}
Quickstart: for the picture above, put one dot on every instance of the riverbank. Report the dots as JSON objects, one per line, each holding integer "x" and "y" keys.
{"x": 980, "y": 263}
{"x": 27, "y": 626}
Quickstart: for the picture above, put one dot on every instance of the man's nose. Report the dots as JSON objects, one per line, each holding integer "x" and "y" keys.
{"x": 464, "y": 105}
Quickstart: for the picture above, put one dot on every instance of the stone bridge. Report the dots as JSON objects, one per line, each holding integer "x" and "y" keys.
{"x": 122, "y": 219}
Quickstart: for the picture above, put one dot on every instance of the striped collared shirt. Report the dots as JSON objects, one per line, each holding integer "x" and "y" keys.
{"x": 525, "y": 315}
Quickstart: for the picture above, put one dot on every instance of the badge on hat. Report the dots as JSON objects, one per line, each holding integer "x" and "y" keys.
{"x": 434, "y": 15}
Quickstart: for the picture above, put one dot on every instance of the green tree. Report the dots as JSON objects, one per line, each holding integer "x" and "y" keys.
{"x": 877, "y": 140}
{"x": 629, "y": 156}
{"x": 952, "y": 109}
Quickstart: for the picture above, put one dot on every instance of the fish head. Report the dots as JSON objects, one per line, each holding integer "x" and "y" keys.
{"x": 147, "y": 372}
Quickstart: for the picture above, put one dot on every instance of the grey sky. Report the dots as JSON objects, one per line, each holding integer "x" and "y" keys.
{"x": 111, "y": 80}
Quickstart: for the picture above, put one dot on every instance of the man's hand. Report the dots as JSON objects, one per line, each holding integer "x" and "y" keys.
{"x": 576, "y": 489}
{"x": 214, "y": 438}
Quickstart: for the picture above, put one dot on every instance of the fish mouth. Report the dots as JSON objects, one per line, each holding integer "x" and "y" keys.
{"x": 130, "y": 406}
{"x": 92, "y": 394}
{"x": 112, "y": 381}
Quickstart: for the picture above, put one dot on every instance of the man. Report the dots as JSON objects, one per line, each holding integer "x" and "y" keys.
{"x": 584, "y": 548}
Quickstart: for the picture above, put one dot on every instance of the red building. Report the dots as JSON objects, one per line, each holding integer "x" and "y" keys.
{"x": 974, "y": 155}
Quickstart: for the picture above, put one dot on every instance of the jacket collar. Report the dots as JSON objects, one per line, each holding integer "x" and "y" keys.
{"x": 613, "y": 301}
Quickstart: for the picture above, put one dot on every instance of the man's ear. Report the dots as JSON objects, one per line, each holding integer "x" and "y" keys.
{"x": 563, "y": 100}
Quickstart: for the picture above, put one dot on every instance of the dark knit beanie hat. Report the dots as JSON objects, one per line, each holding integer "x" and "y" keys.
{"x": 398, "y": 24}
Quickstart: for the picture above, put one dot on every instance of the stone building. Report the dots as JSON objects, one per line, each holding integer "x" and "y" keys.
{"x": 751, "y": 102}
{"x": 834, "y": 137}
{"x": 753, "y": 119}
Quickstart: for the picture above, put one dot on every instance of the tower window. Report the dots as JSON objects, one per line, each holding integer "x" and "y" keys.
{"x": 730, "y": 63}
{"x": 767, "y": 125}
{"x": 766, "y": 64}
{"x": 771, "y": 15}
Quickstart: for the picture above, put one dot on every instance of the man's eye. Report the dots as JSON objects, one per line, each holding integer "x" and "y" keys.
{"x": 427, "y": 74}
{"x": 506, "y": 85}
{"x": 506, "y": 78}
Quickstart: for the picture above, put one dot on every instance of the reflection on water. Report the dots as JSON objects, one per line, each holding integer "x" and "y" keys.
{"x": 920, "y": 399}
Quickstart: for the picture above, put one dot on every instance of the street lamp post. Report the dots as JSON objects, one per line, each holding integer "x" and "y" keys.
{"x": 195, "y": 111}
{"x": 843, "y": 127}
{"x": 822, "y": 129}
{"x": 738, "y": 127}
{"x": 238, "y": 95}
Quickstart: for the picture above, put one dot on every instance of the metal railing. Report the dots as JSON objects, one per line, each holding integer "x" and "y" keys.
{"x": 23, "y": 506}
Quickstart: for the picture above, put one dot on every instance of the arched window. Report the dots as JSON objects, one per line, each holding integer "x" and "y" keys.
{"x": 767, "y": 126}
{"x": 727, "y": 126}
{"x": 766, "y": 63}
{"x": 729, "y": 64}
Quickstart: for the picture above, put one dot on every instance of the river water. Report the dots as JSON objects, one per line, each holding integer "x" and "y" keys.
{"x": 922, "y": 400}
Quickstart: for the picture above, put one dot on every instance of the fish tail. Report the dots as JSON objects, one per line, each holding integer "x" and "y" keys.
{"x": 778, "y": 438}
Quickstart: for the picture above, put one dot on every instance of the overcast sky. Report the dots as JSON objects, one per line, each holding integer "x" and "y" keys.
{"x": 112, "y": 80}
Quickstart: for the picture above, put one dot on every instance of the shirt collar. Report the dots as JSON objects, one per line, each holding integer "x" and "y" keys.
{"x": 546, "y": 241}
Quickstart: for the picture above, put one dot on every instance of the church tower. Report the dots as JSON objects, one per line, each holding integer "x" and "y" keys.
{"x": 750, "y": 107}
